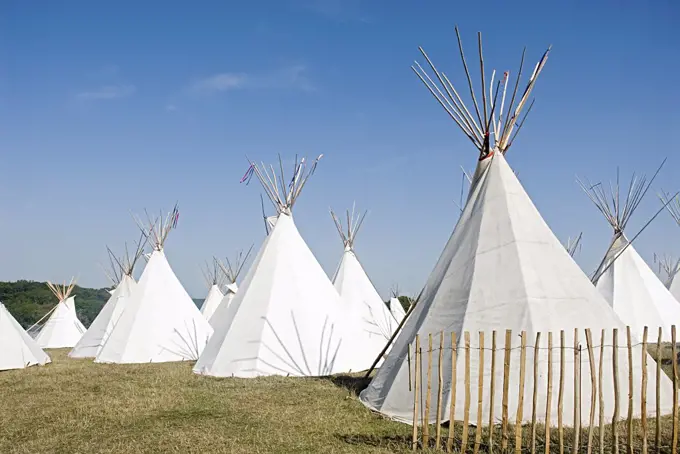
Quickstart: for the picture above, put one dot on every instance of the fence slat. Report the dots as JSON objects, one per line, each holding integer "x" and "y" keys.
{"x": 548, "y": 402}
{"x": 577, "y": 394}
{"x": 560, "y": 395}
{"x": 428, "y": 394}
{"x": 615, "y": 368}
{"x": 416, "y": 374}
{"x": 534, "y": 400}
{"x": 593, "y": 389}
{"x": 600, "y": 392}
{"x": 520, "y": 395}
{"x": 659, "y": 358}
{"x": 480, "y": 394}
{"x": 506, "y": 388}
{"x": 452, "y": 407}
{"x": 492, "y": 389}
{"x": 674, "y": 354}
{"x": 440, "y": 390}
{"x": 643, "y": 392}
{"x": 466, "y": 410}
{"x": 629, "y": 345}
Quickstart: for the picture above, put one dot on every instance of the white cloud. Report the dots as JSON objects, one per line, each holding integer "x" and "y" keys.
{"x": 107, "y": 92}
{"x": 289, "y": 77}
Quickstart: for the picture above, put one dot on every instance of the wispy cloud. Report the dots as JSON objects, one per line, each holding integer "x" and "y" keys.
{"x": 289, "y": 77}
{"x": 171, "y": 108}
{"x": 107, "y": 92}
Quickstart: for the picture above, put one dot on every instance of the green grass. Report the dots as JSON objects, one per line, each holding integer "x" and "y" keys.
{"x": 76, "y": 406}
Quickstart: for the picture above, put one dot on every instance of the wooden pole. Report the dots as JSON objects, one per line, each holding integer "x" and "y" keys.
{"x": 428, "y": 394}
{"x": 615, "y": 369}
{"x": 630, "y": 390}
{"x": 674, "y": 351}
{"x": 416, "y": 380}
{"x": 466, "y": 410}
{"x": 506, "y": 388}
{"x": 548, "y": 403}
{"x": 534, "y": 400}
{"x": 408, "y": 359}
{"x": 600, "y": 391}
{"x": 452, "y": 407}
{"x": 440, "y": 390}
{"x": 492, "y": 389}
{"x": 593, "y": 389}
{"x": 659, "y": 358}
{"x": 577, "y": 394}
{"x": 643, "y": 392}
{"x": 560, "y": 395}
{"x": 520, "y": 394}
{"x": 480, "y": 394}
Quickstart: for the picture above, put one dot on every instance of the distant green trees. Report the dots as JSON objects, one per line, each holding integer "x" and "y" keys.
{"x": 29, "y": 301}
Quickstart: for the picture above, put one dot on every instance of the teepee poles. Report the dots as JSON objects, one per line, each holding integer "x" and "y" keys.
{"x": 573, "y": 245}
{"x": 349, "y": 231}
{"x": 213, "y": 275}
{"x": 479, "y": 129}
{"x": 158, "y": 229}
{"x": 232, "y": 270}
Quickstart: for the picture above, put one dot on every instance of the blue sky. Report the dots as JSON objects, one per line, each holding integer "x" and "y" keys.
{"x": 118, "y": 107}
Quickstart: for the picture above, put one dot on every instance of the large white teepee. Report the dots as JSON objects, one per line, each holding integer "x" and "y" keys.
{"x": 160, "y": 322}
{"x": 672, "y": 267}
{"x": 628, "y": 284}
{"x": 502, "y": 268}
{"x": 286, "y": 317}
{"x": 99, "y": 331}
{"x": 62, "y": 329}
{"x": 17, "y": 349}
{"x": 215, "y": 280}
{"x": 364, "y": 306}
{"x": 231, "y": 272}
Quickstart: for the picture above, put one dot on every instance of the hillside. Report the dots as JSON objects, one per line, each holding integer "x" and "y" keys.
{"x": 29, "y": 301}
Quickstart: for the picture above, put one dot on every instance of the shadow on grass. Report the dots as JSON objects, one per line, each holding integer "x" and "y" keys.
{"x": 354, "y": 384}
{"x": 383, "y": 441}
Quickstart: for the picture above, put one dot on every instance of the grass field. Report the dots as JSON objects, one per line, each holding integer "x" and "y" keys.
{"x": 76, "y": 406}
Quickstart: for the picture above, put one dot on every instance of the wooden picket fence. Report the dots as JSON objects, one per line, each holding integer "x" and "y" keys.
{"x": 645, "y": 434}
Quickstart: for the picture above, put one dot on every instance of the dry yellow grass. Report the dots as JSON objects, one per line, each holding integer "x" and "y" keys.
{"x": 76, "y": 406}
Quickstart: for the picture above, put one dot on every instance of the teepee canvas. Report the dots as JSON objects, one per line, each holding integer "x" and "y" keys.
{"x": 286, "y": 317}
{"x": 160, "y": 322}
{"x": 215, "y": 280}
{"x": 18, "y": 350}
{"x": 62, "y": 329}
{"x": 396, "y": 308}
{"x": 363, "y": 304}
{"x": 99, "y": 331}
{"x": 628, "y": 284}
{"x": 501, "y": 269}
{"x": 231, "y": 271}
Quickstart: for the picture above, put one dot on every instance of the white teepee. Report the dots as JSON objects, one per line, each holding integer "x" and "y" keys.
{"x": 502, "y": 268}
{"x": 232, "y": 272}
{"x": 99, "y": 331}
{"x": 17, "y": 349}
{"x": 672, "y": 268}
{"x": 396, "y": 308}
{"x": 628, "y": 284}
{"x": 62, "y": 329}
{"x": 286, "y": 317}
{"x": 363, "y": 304}
{"x": 160, "y": 322}
{"x": 215, "y": 280}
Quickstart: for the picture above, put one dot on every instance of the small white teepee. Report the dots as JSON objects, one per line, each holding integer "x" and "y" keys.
{"x": 502, "y": 268}
{"x": 628, "y": 284}
{"x": 62, "y": 329}
{"x": 232, "y": 272}
{"x": 364, "y": 305}
{"x": 286, "y": 317}
{"x": 396, "y": 308}
{"x": 99, "y": 331}
{"x": 160, "y": 322}
{"x": 215, "y": 281}
{"x": 18, "y": 350}
{"x": 672, "y": 268}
